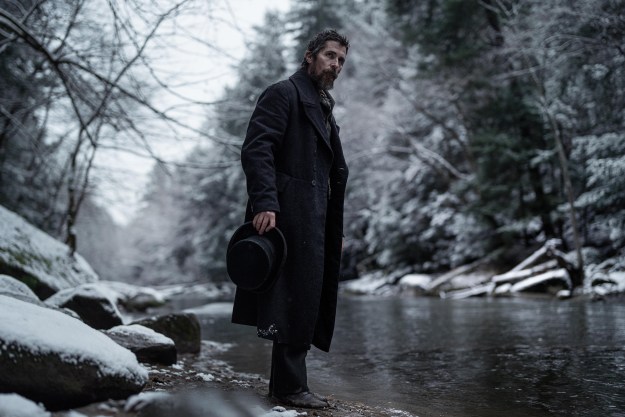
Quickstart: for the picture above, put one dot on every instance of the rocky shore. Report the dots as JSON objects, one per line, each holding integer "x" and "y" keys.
{"x": 62, "y": 367}
{"x": 72, "y": 345}
{"x": 200, "y": 385}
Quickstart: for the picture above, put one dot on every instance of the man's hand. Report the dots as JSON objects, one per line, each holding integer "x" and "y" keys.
{"x": 264, "y": 221}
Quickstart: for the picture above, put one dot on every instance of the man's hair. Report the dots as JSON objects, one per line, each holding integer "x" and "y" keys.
{"x": 317, "y": 43}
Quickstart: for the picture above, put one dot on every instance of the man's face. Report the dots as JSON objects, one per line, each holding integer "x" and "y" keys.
{"x": 326, "y": 66}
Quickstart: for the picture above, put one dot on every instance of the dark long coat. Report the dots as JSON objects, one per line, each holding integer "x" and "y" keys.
{"x": 296, "y": 168}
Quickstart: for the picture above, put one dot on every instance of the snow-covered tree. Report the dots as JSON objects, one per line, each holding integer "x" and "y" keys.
{"x": 183, "y": 231}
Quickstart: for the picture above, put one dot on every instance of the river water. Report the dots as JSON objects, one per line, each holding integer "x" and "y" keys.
{"x": 476, "y": 357}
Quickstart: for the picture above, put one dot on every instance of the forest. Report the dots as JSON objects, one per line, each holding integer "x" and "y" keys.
{"x": 475, "y": 130}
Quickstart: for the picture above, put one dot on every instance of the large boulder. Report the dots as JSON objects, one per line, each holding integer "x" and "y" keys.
{"x": 54, "y": 359}
{"x": 94, "y": 303}
{"x": 37, "y": 259}
{"x": 148, "y": 345}
{"x": 183, "y": 329}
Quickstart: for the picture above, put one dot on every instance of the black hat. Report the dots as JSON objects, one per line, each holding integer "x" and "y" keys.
{"x": 254, "y": 261}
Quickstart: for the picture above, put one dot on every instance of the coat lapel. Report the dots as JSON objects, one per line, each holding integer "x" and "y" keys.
{"x": 311, "y": 103}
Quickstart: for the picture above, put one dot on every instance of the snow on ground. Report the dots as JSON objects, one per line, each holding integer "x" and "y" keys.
{"x": 26, "y": 248}
{"x": 206, "y": 377}
{"x": 42, "y": 330}
{"x": 607, "y": 283}
{"x": 14, "y": 405}
{"x": 282, "y": 412}
{"x": 420, "y": 281}
{"x": 619, "y": 280}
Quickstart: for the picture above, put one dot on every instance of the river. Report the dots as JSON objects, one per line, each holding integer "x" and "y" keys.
{"x": 476, "y": 357}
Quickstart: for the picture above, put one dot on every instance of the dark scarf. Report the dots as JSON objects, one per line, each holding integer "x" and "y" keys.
{"x": 327, "y": 104}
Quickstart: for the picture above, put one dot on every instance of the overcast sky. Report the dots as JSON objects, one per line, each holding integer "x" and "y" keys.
{"x": 199, "y": 72}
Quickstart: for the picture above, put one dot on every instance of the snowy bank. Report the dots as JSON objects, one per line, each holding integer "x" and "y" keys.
{"x": 547, "y": 271}
{"x": 37, "y": 259}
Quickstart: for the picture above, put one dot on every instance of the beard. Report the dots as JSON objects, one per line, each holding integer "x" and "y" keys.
{"x": 324, "y": 79}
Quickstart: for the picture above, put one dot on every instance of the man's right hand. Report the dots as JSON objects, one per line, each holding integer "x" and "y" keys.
{"x": 264, "y": 221}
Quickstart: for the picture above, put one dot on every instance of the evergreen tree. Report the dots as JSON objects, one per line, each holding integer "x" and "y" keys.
{"x": 265, "y": 63}
{"x": 309, "y": 17}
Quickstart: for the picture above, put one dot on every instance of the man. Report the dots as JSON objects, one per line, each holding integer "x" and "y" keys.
{"x": 296, "y": 174}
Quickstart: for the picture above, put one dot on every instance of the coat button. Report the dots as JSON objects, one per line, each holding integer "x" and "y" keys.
{"x": 314, "y": 183}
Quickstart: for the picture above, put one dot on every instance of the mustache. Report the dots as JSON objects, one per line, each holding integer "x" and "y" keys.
{"x": 331, "y": 73}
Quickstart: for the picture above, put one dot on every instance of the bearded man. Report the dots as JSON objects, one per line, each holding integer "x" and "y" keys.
{"x": 296, "y": 175}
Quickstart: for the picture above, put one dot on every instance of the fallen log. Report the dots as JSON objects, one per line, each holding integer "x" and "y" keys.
{"x": 513, "y": 275}
{"x": 559, "y": 274}
{"x": 464, "y": 269}
{"x": 549, "y": 245}
{"x": 484, "y": 289}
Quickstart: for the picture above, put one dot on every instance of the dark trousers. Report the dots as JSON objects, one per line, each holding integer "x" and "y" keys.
{"x": 288, "y": 369}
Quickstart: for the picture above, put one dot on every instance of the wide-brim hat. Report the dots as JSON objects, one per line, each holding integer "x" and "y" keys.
{"x": 254, "y": 261}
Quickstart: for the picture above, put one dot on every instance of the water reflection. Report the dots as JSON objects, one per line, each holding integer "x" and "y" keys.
{"x": 476, "y": 357}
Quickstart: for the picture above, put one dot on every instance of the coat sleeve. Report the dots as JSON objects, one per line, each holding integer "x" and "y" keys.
{"x": 263, "y": 140}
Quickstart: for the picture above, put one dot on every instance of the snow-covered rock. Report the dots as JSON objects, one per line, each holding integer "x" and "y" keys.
{"x": 37, "y": 259}
{"x": 55, "y": 359}
{"x": 134, "y": 297}
{"x": 14, "y": 405}
{"x": 602, "y": 284}
{"x": 144, "y": 342}
{"x": 94, "y": 303}
{"x": 375, "y": 283}
{"x": 11, "y": 287}
{"x": 183, "y": 328}
{"x": 419, "y": 282}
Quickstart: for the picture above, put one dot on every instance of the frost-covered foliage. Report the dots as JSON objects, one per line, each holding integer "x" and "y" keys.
{"x": 190, "y": 212}
{"x": 600, "y": 164}
{"x": 408, "y": 152}
{"x": 490, "y": 91}
{"x": 453, "y": 115}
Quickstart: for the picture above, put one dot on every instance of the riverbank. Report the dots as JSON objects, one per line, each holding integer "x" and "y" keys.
{"x": 212, "y": 380}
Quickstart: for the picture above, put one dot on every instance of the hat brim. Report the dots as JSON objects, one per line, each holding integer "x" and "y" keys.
{"x": 279, "y": 243}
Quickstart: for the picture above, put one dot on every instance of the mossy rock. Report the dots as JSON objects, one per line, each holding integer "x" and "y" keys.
{"x": 183, "y": 328}
{"x": 37, "y": 259}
